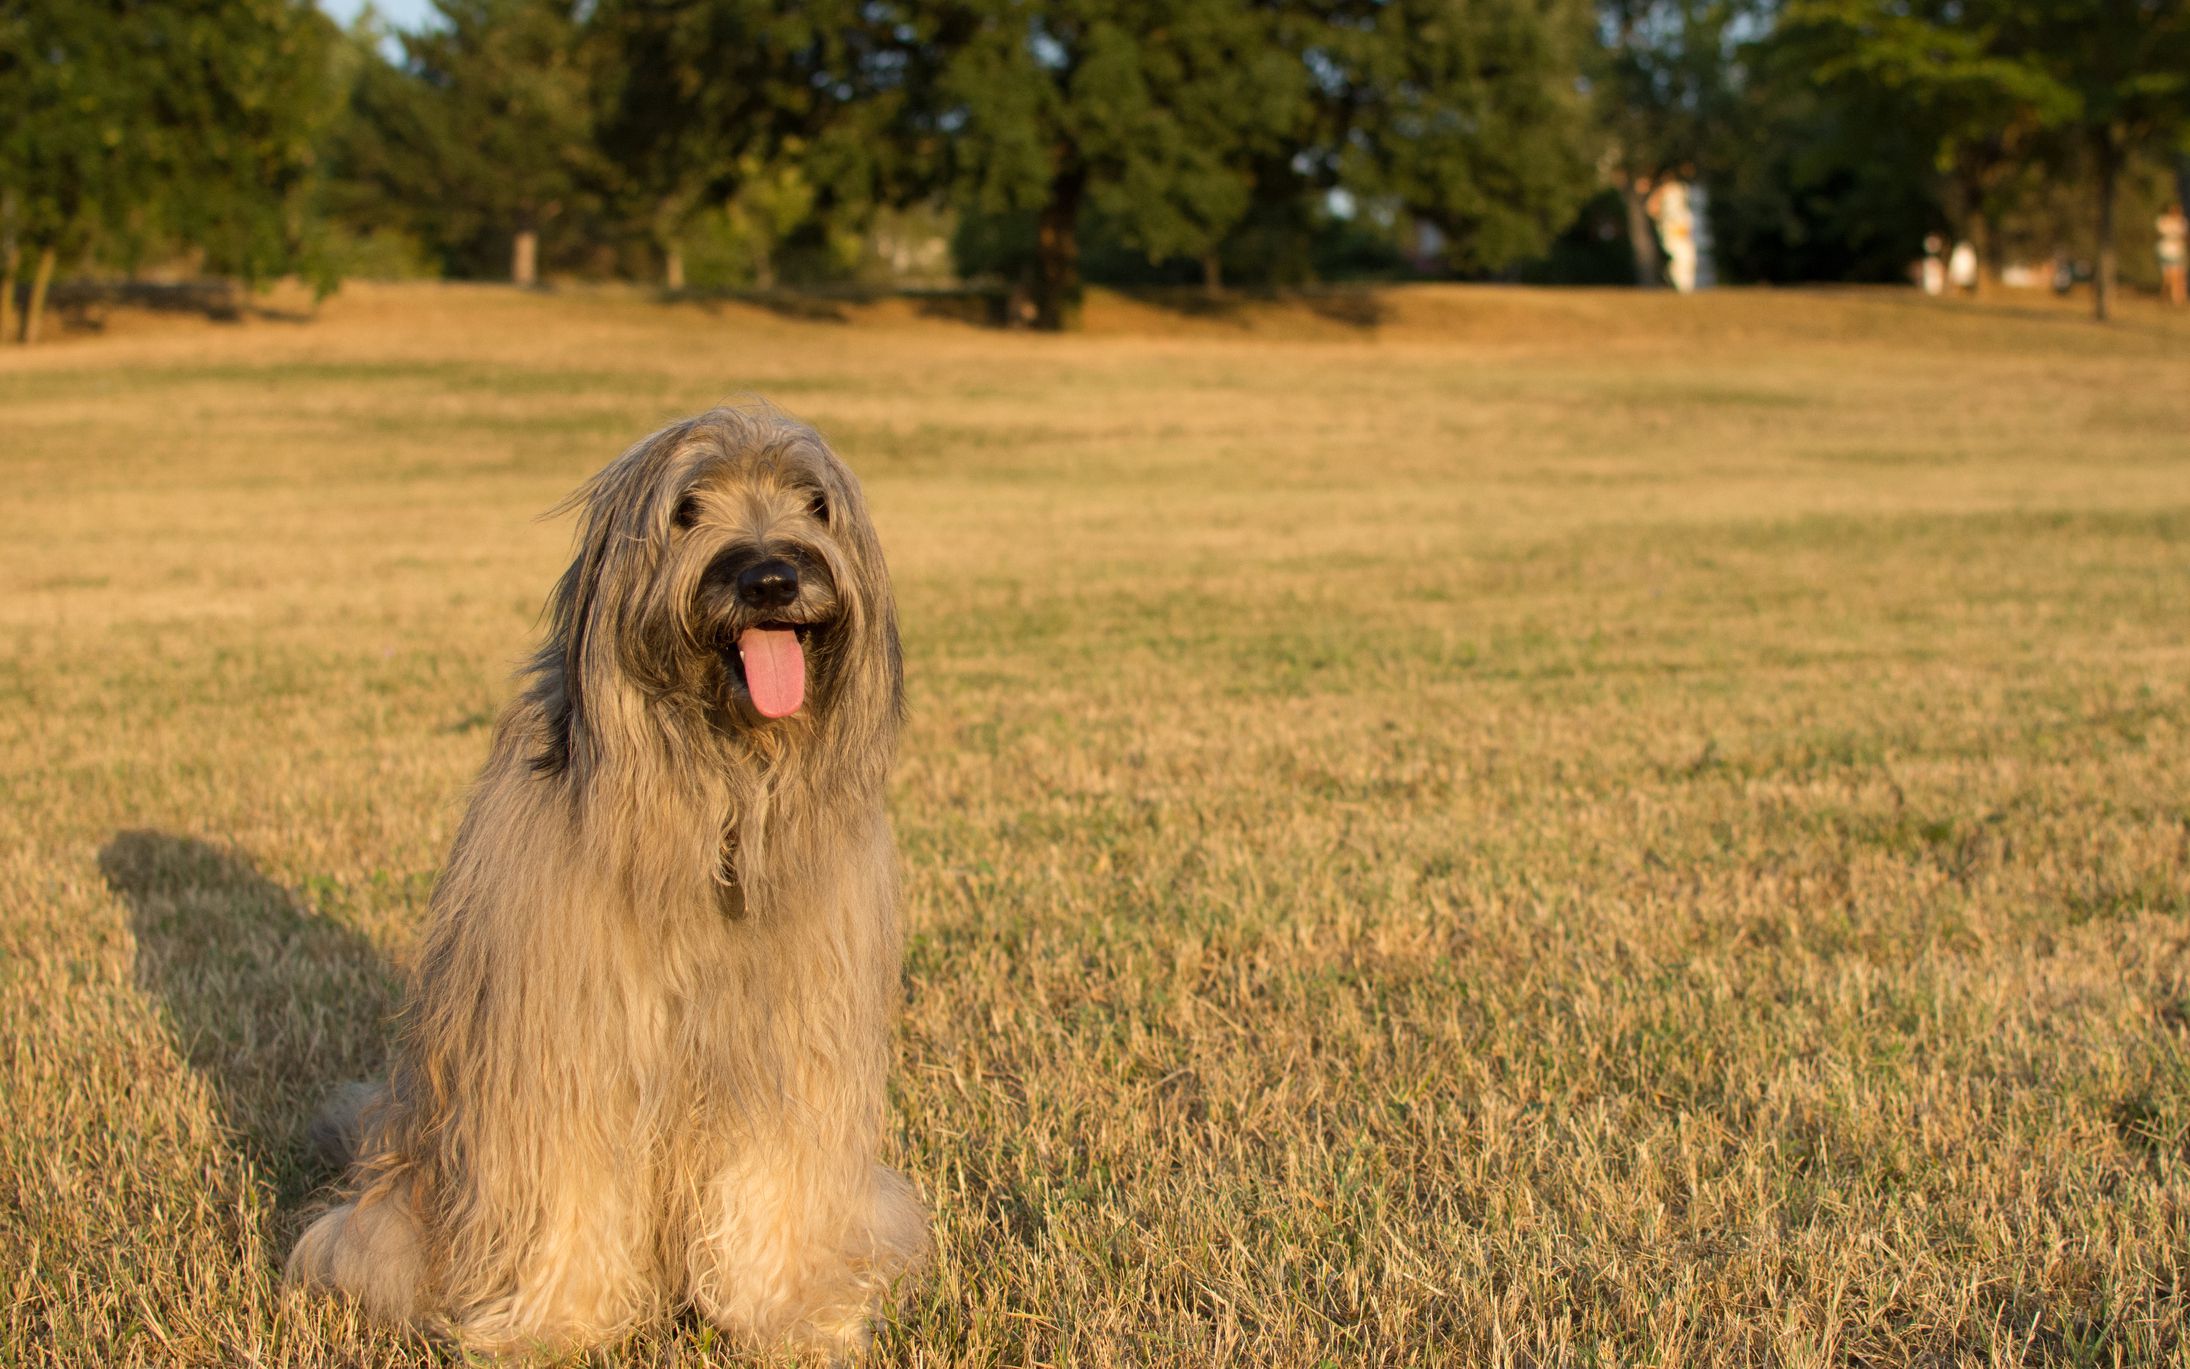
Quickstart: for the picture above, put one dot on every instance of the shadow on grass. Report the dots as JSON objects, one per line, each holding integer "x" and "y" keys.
{"x": 980, "y": 307}
{"x": 270, "y": 1002}
{"x": 1356, "y": 307}
{"x": 976, "y": 305}
{"x": 1353, "y": 306}
{"x": 1998, "y": 304}
{"x": 83, "y": 305}
{"x": 997, "y": 307}
{"x": 799, "y": 305}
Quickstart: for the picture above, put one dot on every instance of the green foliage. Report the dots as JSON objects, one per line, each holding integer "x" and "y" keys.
{"x": 1466, "y": 115}
{"x": 710, "y": 103}
{"x": 516, "y": 96}
{"x": 486, "y": 130}
{"x": 388, "y": 159}
{"x": 997, "y": 246}
{"x": 1150, "y": 141}
{"x": 2121, "y": 64}
{"x": 1278, "y": 244}
{"x": 1667, "y": 82}
{"x": 377, "y": 254}
{"x": 1592, "y": 251}
{"x": 1145, "y": 111}
{"x": 1999, "y": 84}
{"x": 1176, "y": 124}
{"x": 742, "y": 241}
{"x": 1838, "y": 182}
{"x": 719, "y": 251}
{"x": 68, "y": 112}
{"x": 133, "y": 128}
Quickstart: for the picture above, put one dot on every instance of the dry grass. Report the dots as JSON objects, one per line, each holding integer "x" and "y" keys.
{"x": 1481, "y": 839}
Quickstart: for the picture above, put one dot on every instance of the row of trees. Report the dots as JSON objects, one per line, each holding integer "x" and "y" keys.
{"x": 1179, "y": 126}
{"x": 129, "y": 128}
{"x": 1256, "y": 140}
{"x": 2014, "y": 95}
{"x": 1838, "y": 132}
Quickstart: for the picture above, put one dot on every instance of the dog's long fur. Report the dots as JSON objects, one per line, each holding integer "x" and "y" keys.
{"x": 642, "y": 1060}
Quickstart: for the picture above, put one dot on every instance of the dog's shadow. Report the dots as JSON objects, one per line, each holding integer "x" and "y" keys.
{"x": 270, "y": 1002}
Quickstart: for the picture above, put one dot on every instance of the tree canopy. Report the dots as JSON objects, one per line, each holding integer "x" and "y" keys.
{"x": 2002, "y": 85}
{"x": 132, "y": 126}
{"x": 1146, "y": 111}
{"x": 1140, "y": 140}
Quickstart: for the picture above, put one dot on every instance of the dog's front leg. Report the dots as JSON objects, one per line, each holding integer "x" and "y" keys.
{"x": 801, "y": 1247}
{"x": 799, "y": 1231}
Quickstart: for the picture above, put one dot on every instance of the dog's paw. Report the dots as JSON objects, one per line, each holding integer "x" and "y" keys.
{"x": 902, "y": 1240}
{"x": 369, "y": 1251}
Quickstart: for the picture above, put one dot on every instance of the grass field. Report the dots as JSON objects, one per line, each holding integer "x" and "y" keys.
{"x": 1458, "y": 826}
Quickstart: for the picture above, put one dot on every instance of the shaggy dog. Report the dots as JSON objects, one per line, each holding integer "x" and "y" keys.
{"x": 641, "y": 1065}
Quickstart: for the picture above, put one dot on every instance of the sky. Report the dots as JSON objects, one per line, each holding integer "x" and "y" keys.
{"x": 404, "y": 14}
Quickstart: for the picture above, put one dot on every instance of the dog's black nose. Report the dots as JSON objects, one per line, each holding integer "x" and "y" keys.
{"x": 768, "y": 584}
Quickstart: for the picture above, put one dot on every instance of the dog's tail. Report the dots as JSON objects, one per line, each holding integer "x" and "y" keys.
{"x": 338, "y": 1130}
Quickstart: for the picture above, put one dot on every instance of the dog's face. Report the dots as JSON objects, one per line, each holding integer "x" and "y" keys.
{"x": 762, "y": 623}
{"x": 728, "y": 570}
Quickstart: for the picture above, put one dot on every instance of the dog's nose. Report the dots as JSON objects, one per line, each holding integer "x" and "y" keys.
{"x": 768, "y": 584}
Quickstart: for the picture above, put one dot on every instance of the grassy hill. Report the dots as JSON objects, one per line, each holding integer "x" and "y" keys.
{"x": 1442, "y": 825}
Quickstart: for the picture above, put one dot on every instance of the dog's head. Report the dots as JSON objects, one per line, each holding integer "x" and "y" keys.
{"x": 728, "y": 575}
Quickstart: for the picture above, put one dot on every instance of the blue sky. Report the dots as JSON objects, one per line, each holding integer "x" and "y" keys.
{"x": 404, "y": 14}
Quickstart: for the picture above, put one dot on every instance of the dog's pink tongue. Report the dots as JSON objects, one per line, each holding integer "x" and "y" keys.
{"x": 775, "y": 670}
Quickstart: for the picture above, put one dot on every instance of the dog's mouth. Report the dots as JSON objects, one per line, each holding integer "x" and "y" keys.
{"x": 767, "y": 662}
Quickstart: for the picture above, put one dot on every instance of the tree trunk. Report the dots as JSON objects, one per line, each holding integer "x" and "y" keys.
{"x": 524, "y": 258}
{"x": 11, "y": 257}
{"x": 1649, "y": 275}
{"x": 673, "y": 267}
{"x": 2102, "y": 274}
{"x": 1212, "y": 275}
{"x": 1057, "y": 252}
{"x": 34, "y": 317}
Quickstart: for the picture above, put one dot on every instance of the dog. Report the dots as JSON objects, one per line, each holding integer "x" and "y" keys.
{"x": 641, "y": 1065}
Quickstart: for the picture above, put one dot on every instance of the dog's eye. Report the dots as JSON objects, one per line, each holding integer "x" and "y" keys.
{"x": 688, "y": 511}
{"x": 818, "y": 506}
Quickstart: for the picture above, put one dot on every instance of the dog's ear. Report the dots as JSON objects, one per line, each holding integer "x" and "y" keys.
{"x": 551, "y": 691}
{"x": 892, "y": 651}
{"x": 877, "y": 606}
{"x": 593, "y": 614}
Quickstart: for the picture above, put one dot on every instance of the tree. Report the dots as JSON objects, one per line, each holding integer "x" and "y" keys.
{"x": 764, "y": 106}
{"x": 1466, "y": 114}
{"x": 137, "y": 126}
{"x": 1145, "y": 109}
{"x": 507, "y": 131}
{"x": 241, "y": 130}
{"x": 1665, "y": 87}
{"x": 2014, "y": 80}
{"x": 2123, "y": 70}
{"x": 390, "y": 166}
{"x": 71, "y": 109}
{"x": 1174, "y": 121}
{"x": 1833, "y": 183}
